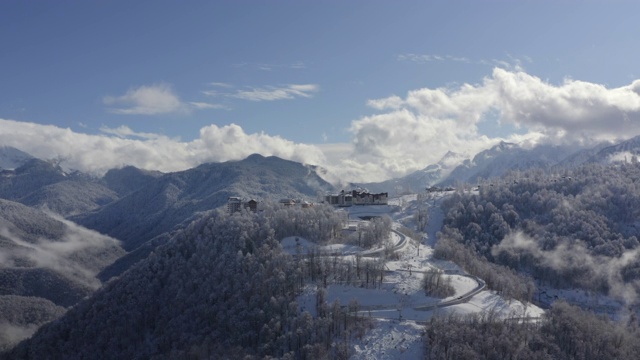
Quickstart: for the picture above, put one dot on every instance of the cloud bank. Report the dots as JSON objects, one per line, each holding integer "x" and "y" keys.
{"x": 416, "y": 130}
{"x": 122, "y": 146}
{"x": 403, "y": 134}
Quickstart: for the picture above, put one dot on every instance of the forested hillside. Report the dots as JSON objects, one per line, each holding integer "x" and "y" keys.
{"x": 46, "y": 264}
{"x": 42, "y": 184}
{"x": 565, "y": 332}
{"x": 170, "y": 199}
{"x": 20, "y": 317}
{"x": 222, "y": 288}
{"x": 575, "y": 228}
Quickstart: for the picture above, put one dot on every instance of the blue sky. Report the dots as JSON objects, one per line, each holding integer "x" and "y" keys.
{"x": 306, "y": 80}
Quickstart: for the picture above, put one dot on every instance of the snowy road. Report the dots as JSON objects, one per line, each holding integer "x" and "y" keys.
{"x": 459, "y": 300}
{"x": 397, "y": 247}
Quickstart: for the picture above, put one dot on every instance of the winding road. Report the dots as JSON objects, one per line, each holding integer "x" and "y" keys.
{"x": 436, "y": 217}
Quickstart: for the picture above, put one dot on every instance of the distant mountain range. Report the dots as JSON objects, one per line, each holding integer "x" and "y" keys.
{"x": 505, "y": 157}
{"x": 419, "y": 180}
{"x": 170, "y": 199}
{"x": 455, "y": 168}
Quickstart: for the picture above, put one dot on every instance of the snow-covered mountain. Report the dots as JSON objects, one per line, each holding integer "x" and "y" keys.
{"x": 496, "y": 161}
{"x": 128, "y": 179}
{"x": 11, "y": 158}
{"x": 420, "y": 179}
{"x": 626, "y": 151}
{"x": 504, "y": 157}
{"x": 604, "y": 153}
{"x": 170, "y": 199}
{"x": 42, "y": 184}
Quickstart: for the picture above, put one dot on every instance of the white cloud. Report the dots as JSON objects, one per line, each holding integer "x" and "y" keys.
{"x": 230, "y": 142}
{"x": 425, "y": 58}
{"x": 146, "y": 100}
{"x": 204, "y": 105}
{"x": 418, "y": 129}
{"x": 512, "y": 62}
{"x": 573, "y": 109}
{"x": 271, "y": 93}
{"x": 122, "y": 146}
{"x": 221, "y": 84}
{"x": 156, "y": 99}
{"x": 392, "y": 102}
{"x": 124, "y": 131}
{"x": 298, "y": 65}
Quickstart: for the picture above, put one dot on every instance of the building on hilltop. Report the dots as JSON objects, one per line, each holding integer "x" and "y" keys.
{"x": 287, "y": 202}
{"x": 235, "y": 204}
{"x": 342, "y": 199}
{"x": 251, "y": 205}
{"x": 365, "y": 198}
{"x": 356, "y": 197}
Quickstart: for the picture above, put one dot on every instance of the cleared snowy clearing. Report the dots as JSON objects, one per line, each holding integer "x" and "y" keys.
{"x": 399, "y": 303}
{"x": 296, "y": 245}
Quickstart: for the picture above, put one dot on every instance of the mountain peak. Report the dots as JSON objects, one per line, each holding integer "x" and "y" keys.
{"x": 503, "y": 145}
{"x": 12, "y": 158}
{"x": 255, "y": 158}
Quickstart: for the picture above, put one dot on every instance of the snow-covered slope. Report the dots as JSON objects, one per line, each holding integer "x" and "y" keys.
{"x": 170, "y": 199}
{"x": 420, "y": 179}
{"x": 494, "y": 162}
{"x": 628, "y": 151}
{"x": 46, "y": 264}
{"x": 41, "y": 184}
{"x": 604, "y": 153}
{"x": 11, "y": 158}
{"x": 505, "y": 157}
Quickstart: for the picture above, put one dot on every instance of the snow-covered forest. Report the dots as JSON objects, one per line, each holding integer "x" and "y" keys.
{"x": 573, "y": 228}
{"x": 565, "y": 332}
{"x": 223, "y": 287}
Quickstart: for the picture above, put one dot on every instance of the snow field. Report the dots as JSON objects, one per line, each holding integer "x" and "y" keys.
{"x": 397, "y": 332}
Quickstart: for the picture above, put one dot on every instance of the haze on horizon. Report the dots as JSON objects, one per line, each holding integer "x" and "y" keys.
{"x": 368, "y": 90}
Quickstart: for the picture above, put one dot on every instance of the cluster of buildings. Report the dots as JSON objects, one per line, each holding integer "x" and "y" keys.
{"x": 356, "y": 197}
{"x": 342, "y": 199}
{"x": 291, "y": 202}
{"x": 235, "y": 204}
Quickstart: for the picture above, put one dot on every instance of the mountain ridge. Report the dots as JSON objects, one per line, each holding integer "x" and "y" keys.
{"x": 171, "y": 198}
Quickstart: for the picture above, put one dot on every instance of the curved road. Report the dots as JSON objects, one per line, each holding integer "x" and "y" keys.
{"x": 424, "y": 307}
{"x": 399, "y": 245}
{"x": 430, "y": 306}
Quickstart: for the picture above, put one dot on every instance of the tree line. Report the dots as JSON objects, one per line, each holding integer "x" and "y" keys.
{"x": 568, "y": 228}
{"x": 565, "y": 332}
